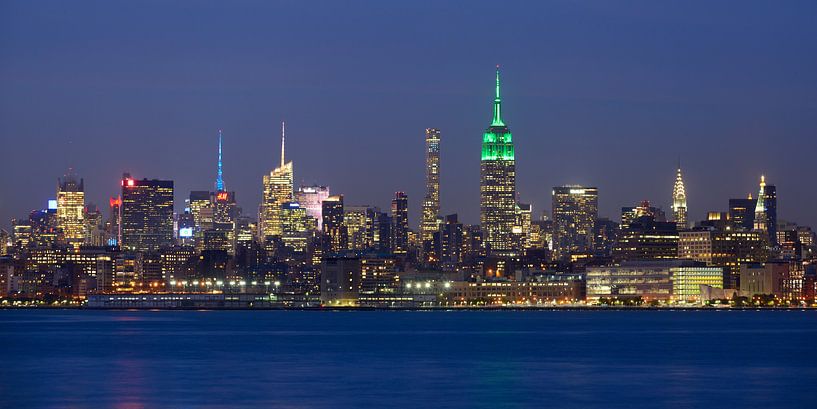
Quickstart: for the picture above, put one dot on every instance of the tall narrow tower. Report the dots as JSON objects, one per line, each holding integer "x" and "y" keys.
{"x": 498, "y": 184}
{"x": 277, "y": 191}
{"x": 219, "y": 175}
{"x": 679, "y": 201}
{"x": 431, "y": 202}
{"x": 766, "y": 211}
{"x": 71, "y": 209}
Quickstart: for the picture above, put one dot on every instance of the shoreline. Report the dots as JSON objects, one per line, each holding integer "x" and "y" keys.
{"x": 418, "y": 309}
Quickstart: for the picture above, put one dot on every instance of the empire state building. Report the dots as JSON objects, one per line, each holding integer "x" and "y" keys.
{"x": 498, "y": 184}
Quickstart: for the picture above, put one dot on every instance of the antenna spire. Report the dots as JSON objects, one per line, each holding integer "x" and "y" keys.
{"x": 283, "y": 140}
{"x": 497, "y": 121}
{"x": 219, "y": 179}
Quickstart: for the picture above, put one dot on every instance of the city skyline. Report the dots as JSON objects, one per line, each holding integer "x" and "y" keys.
{"x": 574, "y": 124}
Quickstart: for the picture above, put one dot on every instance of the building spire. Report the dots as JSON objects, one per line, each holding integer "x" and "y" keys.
{"x": 497, "y": 121}
{"x": 219, "y": 179}
{"x": 283, "y": 140}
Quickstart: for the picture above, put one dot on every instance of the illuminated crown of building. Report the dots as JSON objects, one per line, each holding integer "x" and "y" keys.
{"x": 219, "y": 178}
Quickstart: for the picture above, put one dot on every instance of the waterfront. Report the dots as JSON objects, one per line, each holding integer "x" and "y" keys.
{"x": 131, "y": 359}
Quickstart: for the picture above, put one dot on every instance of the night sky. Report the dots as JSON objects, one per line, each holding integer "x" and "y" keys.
{"x": 602, "y": 93}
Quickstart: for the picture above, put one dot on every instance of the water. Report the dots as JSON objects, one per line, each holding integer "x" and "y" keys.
{"x": 483, "y": 359}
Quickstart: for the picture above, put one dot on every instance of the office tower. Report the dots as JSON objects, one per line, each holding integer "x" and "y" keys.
{"x": 431, "y": 202}
{"x": 295, "y": 226}
{"x": 742, "y": 213}
{"x": 647, "y": 239}
{"x": 200, "y": 205}
{"x": 114, "y": 225}
{"x": 451, "y": 240}
{"x": 399, "y": 218}
{"x": 147, "y": 214}
{"x": 334, "y": 227}
{"x": 71, "y": 209}
{"x": 277, "y": 191}
{"x": 311, "y": 199}
{"x": 498, "y": 184}
{"x": 679, "y": 201}
{"x": 522, "y": 227}
{"x": 94, "y": 230}
{"x": 575, "y": 210}
{"x": 766, "y": 211}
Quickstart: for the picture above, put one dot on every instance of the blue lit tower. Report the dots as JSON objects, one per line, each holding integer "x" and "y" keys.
{"x": 219, "y": 179}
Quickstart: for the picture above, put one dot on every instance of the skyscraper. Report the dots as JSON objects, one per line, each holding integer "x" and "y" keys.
{"x": 766, "y": 210}
{"x": 679, "y": 201}
{"x": 147, "y": 214}
{"x": 498, "y": 184}
{"x": 400, "y": 228}
{"x": 742, "y": 212}
{"x": 334, "y": 229}
{"x": 431, "y": 202}
{"x": 311, "y": 199}
{"x": 575, "y": 210}
{"x": 277, "y": 191}
{"x": 71, "y": 209}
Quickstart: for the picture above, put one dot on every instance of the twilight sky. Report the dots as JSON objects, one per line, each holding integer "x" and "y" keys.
{"x": 599, "y": 93}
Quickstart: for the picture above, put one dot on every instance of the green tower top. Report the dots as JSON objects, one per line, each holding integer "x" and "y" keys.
{"x": 497, "y": 141}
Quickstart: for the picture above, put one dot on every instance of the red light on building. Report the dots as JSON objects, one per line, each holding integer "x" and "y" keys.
{"x": 115, "y": 201}
{"x": 221, "y": 196}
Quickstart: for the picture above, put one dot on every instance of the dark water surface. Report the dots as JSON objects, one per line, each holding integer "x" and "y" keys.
{"x": 559, "y": 359}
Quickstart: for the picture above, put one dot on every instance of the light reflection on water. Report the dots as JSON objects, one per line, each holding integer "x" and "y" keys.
{"x": 132, "y": 359}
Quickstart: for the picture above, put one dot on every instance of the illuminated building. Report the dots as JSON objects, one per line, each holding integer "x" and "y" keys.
{"x": 723, "y": 248}
{"x": 277, "y": 191}
{"x": 522, "y": 229}
{"x": 400, "y": 227}
{"x": 687, "y": 281}
{"x": 766, "y": 211}
{"x": 472, "y": 242}
{"x": 742, "y": 213}
{"x": 431, "y": 201}
{"x": 630, "y": 213}
{"x": 21, "y": 235}
{"x": 295, "y": 226}
{"x": 71, "y": 209}
{"x": 147, "y": 214}
{"x": 646, "y": 280}
{"x": 498, "y": 184}
{"x": 200, "y": 205}
{"x": 94, "y": 227}
{"x": 340, "y": 281}
{"x": 334, "y": 226}
{"x": 575, "y": 210}
{"x": 468, "y": 293}
{"x": 114, "y": 225}
{"x": 647, "y": 239}
{"x": 178, "y": 263}
{"x": 379, "y": 282}
{"x": 361, "y": 226}
{"x": 311, "y": 198}
{"x": 679, "y": 202}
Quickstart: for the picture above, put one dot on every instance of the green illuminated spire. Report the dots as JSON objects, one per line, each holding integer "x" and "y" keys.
{"x": 497, "y": 104}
